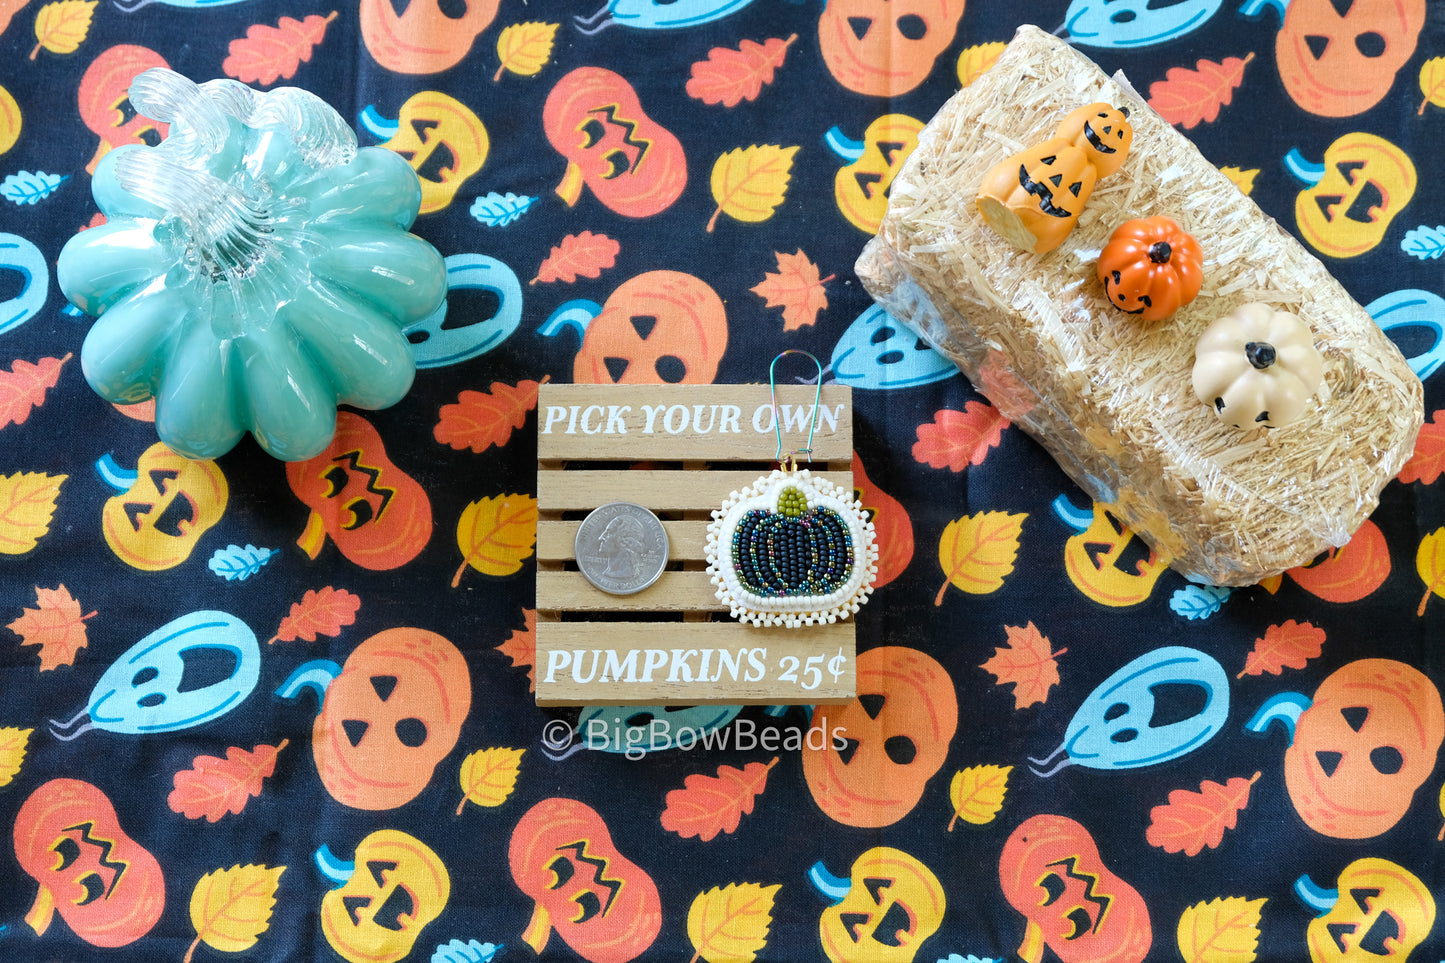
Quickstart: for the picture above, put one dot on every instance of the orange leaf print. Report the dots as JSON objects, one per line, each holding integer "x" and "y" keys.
{"x": 267, "y": 53}
{"x": 1027, "y": 663}
{"x": 579, "y": 255}
{"x": 1191, "y": 97}
{"x": 214, "y": 786}
{"x": 56, "y": 626}
{"x": 796, "y": 288}
{"x": 957, "y": 439}
{"x": 320, "y": 612}
{"x": 1425, "y": 465}
{"x": 481, "y": 419}
{"x": 708, "y": 805}
{"x": 729, "y": 77}
{"x": 1286, "y": 646}
{"x": 521, "y": 647}
{"x": 23, "y": 387}
{"x": 1190, "y": 821}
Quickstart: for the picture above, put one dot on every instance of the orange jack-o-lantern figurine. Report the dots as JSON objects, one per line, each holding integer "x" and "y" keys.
{"x": 105, "y": 885}
{"x": 1034, "y": 199}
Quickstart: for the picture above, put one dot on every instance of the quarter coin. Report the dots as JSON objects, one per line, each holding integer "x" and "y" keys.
{"x": 621, "y": 548}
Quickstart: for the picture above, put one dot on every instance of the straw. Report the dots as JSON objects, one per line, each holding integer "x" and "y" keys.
{"x": 1108, "y": 396}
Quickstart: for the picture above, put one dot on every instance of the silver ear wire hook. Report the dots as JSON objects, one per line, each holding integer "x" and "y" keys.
{"x": 790, "y": 461}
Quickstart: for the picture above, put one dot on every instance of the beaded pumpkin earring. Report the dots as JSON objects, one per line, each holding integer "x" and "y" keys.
{"x": 792, "y": 548}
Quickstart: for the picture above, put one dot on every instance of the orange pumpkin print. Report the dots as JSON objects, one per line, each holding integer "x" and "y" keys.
{"x": 883, "y": 48}
{"x": 1338, "y": 60}
{"x": 393, "y": 713}
{"x": 897, "y": 733}
{"x": 106, "y": 886}
{"x": 631, "y": 163}
{"x": 377, "y": 514}
{"x": 661, "y": 327}
{"x": 1349, "y": 573}
{"x": 423, "y": 38}
{"x": 1052, "y": 873}
{"x": 1367, "y": 742}
{"x": 603, "y": 905}
{"x": 105, "y": 102}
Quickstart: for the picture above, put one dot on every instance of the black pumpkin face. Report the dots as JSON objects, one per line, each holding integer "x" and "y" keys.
{"x": 795, "y": 551}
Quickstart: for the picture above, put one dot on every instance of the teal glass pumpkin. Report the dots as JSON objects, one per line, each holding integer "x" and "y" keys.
{"x": 254, "y": 271}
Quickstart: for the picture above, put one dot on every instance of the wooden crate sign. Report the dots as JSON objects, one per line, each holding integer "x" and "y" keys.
{"x": 679, "y": 451}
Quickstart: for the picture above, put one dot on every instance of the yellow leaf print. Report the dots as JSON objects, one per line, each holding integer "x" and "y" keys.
{"x": 1432, "y": 83}
{"x": 1430, "y": 564}
{"x": 488, "y": 776}
{"x": 525, "y": 48}
{"x": 977, "y": 794}
{"x": 10, "y": 121}
{"x": 231, "y": 908}
{"x": 1223, "y": 930}
{"x": 730, "y": 924}
{"x": 749, "y": 183}
{"x": 975, "y": 60}
{"x": 977, "y": 552}
{"x": 12, "y": 752}
{"x": 496, "y": 535}
{"x": 1243, "y": 179}
{"x": 27, "y": 501}
{"x": 61, "y": 27}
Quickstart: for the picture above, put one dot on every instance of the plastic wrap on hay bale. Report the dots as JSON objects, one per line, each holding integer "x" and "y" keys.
{"x": 1109, "y": 397}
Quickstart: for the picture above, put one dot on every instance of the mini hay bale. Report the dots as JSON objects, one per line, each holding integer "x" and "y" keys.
{"x": 1108, "y": 396}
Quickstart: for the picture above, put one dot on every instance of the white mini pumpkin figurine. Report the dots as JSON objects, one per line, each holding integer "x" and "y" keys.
{"x": 1257, "y": 366}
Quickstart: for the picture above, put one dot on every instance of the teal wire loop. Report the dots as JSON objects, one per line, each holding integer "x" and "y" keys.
{"x": 778, "y": 421}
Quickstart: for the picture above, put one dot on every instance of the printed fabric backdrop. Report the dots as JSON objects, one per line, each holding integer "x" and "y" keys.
{"x": 1063, "y": 751}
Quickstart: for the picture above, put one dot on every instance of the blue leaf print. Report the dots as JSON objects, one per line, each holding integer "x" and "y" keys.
{"x": 234, "y": 563}
{"x": 1425, "y": 243}
{"x": 1198, "y": 601}
{"x": 469, "y": 952}
{"x": 499, "y": 210}
{"x": 955, "y": 958}
{"x": 28, "y": 188}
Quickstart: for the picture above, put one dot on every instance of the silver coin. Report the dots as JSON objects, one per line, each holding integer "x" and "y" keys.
{"x": 621, "y": 548}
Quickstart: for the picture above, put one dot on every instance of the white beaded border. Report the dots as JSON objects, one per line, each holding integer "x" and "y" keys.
{"x": 800, "y": 610}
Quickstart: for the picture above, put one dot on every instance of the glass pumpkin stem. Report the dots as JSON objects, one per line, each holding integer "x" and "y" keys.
{"x": 229, "y": 234}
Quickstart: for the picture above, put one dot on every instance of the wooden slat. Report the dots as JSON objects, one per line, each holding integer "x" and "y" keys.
{"x": 686, "y": 541}
{"x": 672, "y": 592}
{"x": 770, "y": 653}
{"x": 609, "y": 422}
{"x": 660, "y": 491}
